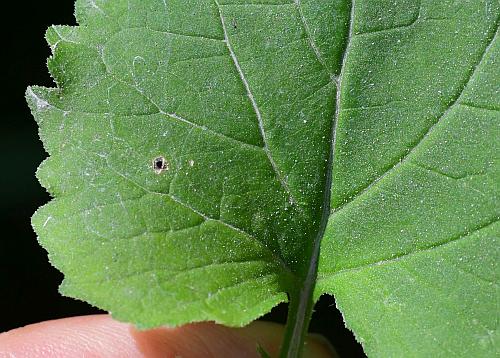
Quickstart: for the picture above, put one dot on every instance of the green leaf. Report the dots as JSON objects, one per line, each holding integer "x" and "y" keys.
{"x": 211, "y": 159}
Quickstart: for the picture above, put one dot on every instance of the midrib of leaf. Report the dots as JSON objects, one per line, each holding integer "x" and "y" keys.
{"x": 406, "y": 158}
{"x": 299, "y": 314}
{"x": 293, "y": 344}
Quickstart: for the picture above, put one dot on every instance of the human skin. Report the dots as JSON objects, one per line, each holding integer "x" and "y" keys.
{"x": 101, "y": 336}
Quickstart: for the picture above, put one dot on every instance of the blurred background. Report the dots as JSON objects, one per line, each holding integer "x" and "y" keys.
{"x": 28, "y": 283}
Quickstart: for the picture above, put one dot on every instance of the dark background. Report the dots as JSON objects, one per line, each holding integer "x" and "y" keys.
{"x": 28, "y": 283}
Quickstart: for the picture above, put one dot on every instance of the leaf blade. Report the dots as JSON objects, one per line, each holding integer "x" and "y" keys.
{"x": 240, "y": 101}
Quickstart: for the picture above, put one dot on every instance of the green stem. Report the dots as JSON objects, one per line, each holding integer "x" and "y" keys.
{"x": 299, "y": 315}
{"x": 301, "y": 301}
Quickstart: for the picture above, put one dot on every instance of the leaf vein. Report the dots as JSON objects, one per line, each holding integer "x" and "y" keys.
{"x": 403, "y": 256}
{"x": 256, "y": 109}
{"x": 312, "y": 43}
{"x": 203, "y": 215}
{"x": 174, "y": 275}
{"x": 428, "y": 132}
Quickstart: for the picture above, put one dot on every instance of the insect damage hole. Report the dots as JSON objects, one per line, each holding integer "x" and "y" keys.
{"x": 160, "y": 164}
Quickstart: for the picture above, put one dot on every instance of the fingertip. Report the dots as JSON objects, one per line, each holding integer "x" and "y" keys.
{"x": 95, "y": 335}
{"x": 101, "y": 336}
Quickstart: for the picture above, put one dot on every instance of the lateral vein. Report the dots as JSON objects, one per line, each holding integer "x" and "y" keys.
{"x": 256, "y": 109}
{"x": 311, "y": 41}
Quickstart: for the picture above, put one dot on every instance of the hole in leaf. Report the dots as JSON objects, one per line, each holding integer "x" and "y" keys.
{"x": 159, "y": 165}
